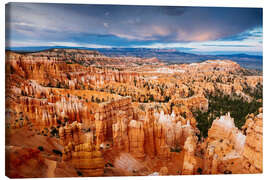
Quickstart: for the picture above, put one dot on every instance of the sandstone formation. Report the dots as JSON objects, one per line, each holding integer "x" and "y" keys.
{"x": 231, "y": 151}
{"x": 136, "y": 139}
{"x": 189, "y": 158}
{"x": 127, "y": 116}
{"x": 253, "y": 149}
{"x": 71, "y": 133}
{"x": 86, "y": 158}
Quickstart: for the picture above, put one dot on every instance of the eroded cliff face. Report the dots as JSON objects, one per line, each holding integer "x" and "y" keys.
{"x": 224, "y": 147}
{"x": 71, "y": 133}
{"x": 253, "y": 148}
{"x": 231, "y": 151}
{"x": 111, "y": 116}
{"x": 85, "y": 157}
{"x": 189, "y": 164}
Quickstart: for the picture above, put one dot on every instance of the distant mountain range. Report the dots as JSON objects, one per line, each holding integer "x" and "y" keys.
{"x": 168, "y": 55}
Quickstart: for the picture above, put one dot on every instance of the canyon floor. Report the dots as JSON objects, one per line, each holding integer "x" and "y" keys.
{"x": 72, "y": 112}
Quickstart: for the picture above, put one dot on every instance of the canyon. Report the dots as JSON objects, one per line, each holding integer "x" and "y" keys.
{"x": 72, "y": 112}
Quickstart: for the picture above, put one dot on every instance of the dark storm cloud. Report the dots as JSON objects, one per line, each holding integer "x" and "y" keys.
{"x": 114, "y": 24}
{"x": 174, "y": 11}
{"x": 256, "y": 33}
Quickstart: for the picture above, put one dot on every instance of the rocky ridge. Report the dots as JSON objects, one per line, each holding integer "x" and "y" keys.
{"x": 97, "y": 106}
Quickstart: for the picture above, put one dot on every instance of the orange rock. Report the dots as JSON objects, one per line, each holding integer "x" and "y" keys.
{"x": 163, "y": 171}
{"x": 136, "y": 139}
{"x": 189, "y": 164}
{"x": 253, "y": 150}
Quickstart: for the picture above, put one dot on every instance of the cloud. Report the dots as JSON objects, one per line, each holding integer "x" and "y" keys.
{"x": 227, "y": 45}
{"x": 143, "y": 22}
{"x": 133, "y": 26}
{"x": 173, "y": 10}
{"x": 250, "y": 33}
{"x": 67, "y": 44}
{"x": 250, "y": 44}
{"x": 106, "y": 25}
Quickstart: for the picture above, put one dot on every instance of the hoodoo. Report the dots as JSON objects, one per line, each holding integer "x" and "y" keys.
{"x": 87, "y": 114}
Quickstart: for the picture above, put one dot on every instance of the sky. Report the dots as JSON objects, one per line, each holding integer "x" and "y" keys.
{"x": 201, "y": 30}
